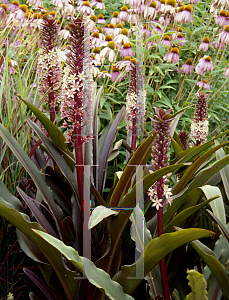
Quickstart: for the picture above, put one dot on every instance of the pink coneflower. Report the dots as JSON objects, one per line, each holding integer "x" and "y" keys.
{"x": 180, "y": 40}
{"x": 59, "y": 3}
{"x": 115, "y": 74}
{"x": 204, "y": 65}
{"x": 222, "y": 19}
{"x": 164, "y": 21}
{"x": 85, "y": 8}
{"x": 217, "y": 45}
{"x": 101, "y": 35}
{"x": 166, "y": 42}
{"x": 126, "y": 63}
{"x": 115, "y": 18}
{"x": 146, "y": 31}
{"x": 133, "y": 15}
{"x": 118, "y": 29}
{"x": 3, "y": 9}
{"x": 108, "y": 51}
{"x": 103, "y": 74}
{"x": 126, "y": 50}
{"x": 110, "y": 30}
{"x": 101, "y": 19}
{"x": 172, "y": 56}
{"x": 96, "y": 53}
{"x": 108, "y": 38}
{"x": 141, "y": 8}
{"x": 194, "y": 1}
{"x": 134, "y": 3}
{"x": 186, "y": 16}
{"x": 18, "y": 14}
{"x": 168, "y": 7}
{"x": 35, "y": 3}
{"x": 175, "y": 34}
{"x": 150, "y": 11}
{"x": 98, "y": 4}
{"x": 95, "y": 40}
{"x": 187, "y": 68}
{"x": 64, "y": 33}
{"x": 224, "y": 36}
{"x": 204, "y": 83}
{"x": 158, "y": 29}
{"x": 122, "y": 38}
{"x": 205, "y": 44}
{"x": 123, "y": 15}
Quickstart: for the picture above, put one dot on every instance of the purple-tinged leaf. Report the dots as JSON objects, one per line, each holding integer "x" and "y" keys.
{"x": 37, "y": 213}
{"x": 35, "y": 174}
{"x": 166, "y": 243}
{"x": 95, "y": 138}
{"x": 106, "y": 149}
{"x": 140, "y": 156}
{"x": 67, "y": 278}
{"x": 58, "y": 159}
{"x": 41, "y": 284}
{"x": 187, "y": 176}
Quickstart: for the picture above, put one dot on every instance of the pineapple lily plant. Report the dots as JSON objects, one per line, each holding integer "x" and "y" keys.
{"x": 114, "y": 151}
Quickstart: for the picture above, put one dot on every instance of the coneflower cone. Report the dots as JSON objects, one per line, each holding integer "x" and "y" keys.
{"x": 199, "y": 126}
{"x": 49, "y": 65}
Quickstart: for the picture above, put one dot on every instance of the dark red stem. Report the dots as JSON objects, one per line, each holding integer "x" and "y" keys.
{"x": 134, "y": 137}
{"x": 80, "y": 175}
{"x": 164, "y": 277}
{"x": 51, "y": 101}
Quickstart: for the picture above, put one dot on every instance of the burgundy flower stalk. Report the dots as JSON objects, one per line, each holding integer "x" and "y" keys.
{"x": 131, "y": 103}
{"x": 135, "y": 99}
{"x": 199, "y": 126}
{"x": 73, "y": 97}
{"x": 160, "y": 158}
{"x": 49, "y": 64}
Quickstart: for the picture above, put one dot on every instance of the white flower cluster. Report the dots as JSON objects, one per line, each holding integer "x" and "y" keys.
{"x": 50, "y": 72}
{"x": 152, "y": 192}
{"x": 199, "y": 131}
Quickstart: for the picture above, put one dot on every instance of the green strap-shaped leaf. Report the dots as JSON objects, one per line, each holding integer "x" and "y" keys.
{"x": 198, "y": 286}
{"x": 198, "y": 180}
{"x": 65, "y": 169}
{"x": 67, "y": 278}
{"x": 217, "y": 205}
{"x": 224, "y": 173}
{"x": 193, "y": 168}
{"x": 106, "y": 148}
{"x": 35, "y": 174}
{"x": 213, "y": 264}
{"x": 118, "y": 223}
{"x": 96, "y": 276}
{"x": 55, "y": 134}
{"x": 192, "y": 153}
{"x": 140, "y": 156}
{"x": 221, "y": 225}
{"x": 182, "y": 216}
{"x": 157, "y": 249}
{"x": 98, "y": 214}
